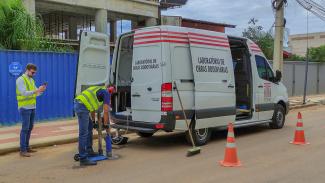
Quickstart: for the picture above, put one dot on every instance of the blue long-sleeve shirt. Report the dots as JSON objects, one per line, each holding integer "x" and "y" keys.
{"x": 103, "y": 96}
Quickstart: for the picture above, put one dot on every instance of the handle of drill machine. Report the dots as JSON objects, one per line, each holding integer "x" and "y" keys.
{"x": 100, "y": 148}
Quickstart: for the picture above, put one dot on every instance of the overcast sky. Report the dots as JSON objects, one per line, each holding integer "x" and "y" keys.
{"x": 238, "y": 12}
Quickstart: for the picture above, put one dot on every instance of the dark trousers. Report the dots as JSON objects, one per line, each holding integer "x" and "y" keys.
{"x": 27, "y": 116}
{"x": 85, "y": 130}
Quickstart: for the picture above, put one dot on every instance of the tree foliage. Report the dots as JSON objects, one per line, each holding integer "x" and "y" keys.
{"x": 262, "y": 38}
{"x": 295, "y": 57}
{"x": 317, "y": 54}
{"x": 21, "y": 31}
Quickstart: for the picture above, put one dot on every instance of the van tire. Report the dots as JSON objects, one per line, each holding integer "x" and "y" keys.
{"x": 144, "y": 135}
{"x": 278, "y": 118}
{"x": 200, "y": 136}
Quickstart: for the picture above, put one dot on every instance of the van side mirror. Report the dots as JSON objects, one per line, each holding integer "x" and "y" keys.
{"x": 278, "y": 76}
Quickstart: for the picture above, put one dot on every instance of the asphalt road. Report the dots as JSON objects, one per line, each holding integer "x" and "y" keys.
{"x": 266, "y": 155}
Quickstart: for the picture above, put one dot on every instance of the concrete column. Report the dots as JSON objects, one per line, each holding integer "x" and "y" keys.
{"x": 112, "y": 31}
{"x": 30, "y": 6}
{"x": 73, "y": 34}
{"x": 101, "y": 21}
{"x": 151, "y": 22}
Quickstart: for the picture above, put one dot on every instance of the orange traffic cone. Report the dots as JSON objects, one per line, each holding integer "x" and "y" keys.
{"x": 230, "y": 159}
{"x": 299, "y": 138}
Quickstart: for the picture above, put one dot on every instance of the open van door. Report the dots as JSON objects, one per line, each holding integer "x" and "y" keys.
{"x": 214, "y": 80}
{"x": 147, "y": 76}
{"x": 93, "y": 63}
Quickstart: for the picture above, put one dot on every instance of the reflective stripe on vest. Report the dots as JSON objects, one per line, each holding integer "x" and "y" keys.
{"x": 89, "y": 98}
{"x": 26, "y": 100}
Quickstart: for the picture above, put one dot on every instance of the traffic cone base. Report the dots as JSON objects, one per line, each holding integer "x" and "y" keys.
{"x": 227, "y": 164}
{"x": 299, "y": 143}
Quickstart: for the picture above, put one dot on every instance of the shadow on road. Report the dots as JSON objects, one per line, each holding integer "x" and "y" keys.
{"x": 167, "y": 141}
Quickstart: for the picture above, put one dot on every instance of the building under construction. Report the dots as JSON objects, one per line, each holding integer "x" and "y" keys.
{"x": 64, "y": 19}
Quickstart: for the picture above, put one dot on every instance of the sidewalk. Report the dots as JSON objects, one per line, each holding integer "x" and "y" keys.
{"x": 61, "y": 132}
{"x": 312, "y": 100}
{"x": 43, "y": 134}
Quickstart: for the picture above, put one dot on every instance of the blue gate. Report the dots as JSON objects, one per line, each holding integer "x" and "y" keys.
{"x": 58, "y": 69}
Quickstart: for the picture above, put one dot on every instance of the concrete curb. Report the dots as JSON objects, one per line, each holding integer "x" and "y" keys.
{"x": 302, "y": 106}
{"x": 45, "y": 143}
{"x": 15, "y": 148}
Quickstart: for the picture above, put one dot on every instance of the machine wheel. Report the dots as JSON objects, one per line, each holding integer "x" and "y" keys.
{"x": 200, "y": 136}
{"x": 278, "y": 118}
{"x": 119, "y": 140}
{"x": 144, "y": 135}
{"x": 76, "y": 157}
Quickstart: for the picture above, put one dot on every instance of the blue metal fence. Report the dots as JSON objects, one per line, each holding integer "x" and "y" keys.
{"x": 58, "y": 69}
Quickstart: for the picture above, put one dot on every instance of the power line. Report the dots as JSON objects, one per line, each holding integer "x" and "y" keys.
{"x": 314, "y": 7}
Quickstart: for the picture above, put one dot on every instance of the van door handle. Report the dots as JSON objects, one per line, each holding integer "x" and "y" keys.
{"x": 231, "y": 86}
{"x": 136, "y": 95}
{"x": 224, "y": 81}
{"x": 149, "y": 89}
{"x": 260, "y": 86}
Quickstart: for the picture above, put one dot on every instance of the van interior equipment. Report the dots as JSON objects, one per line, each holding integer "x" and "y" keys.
{"x": 243, "y": 77}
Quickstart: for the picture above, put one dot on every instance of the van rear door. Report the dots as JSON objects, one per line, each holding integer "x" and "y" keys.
{"x": 214, "y": 89}
{"x": 93, "y": 63}
{"x": 146, "y": 76}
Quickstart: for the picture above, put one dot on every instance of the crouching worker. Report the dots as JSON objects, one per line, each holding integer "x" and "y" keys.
{"x": 88, "y": 102}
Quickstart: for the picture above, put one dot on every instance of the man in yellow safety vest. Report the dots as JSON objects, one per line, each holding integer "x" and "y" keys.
{"x": 89, "y": 101}
{"x": 26, "y": 92}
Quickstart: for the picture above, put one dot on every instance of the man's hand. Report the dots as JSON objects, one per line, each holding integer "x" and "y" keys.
{"x": 105, "y": 126}
{"x": 95, "y": 125}
{"x": 40, "y": 90}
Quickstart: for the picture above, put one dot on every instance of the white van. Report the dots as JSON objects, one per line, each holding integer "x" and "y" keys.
{"x": 220, "y": 78}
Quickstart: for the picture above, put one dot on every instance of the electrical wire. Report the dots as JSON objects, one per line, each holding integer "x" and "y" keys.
{"x": 314, "y": 7}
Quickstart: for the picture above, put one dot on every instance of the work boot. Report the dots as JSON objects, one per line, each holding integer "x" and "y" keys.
{"x": 24, "y": 154}
{"x": 111, "y": 156}
{"x": 87, "y": 162}
{"x": 31, "y": 150}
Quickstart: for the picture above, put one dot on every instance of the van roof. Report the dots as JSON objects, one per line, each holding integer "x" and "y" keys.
{"x": 181, "y": 29}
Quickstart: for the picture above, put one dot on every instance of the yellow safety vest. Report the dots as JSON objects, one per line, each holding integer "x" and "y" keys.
{"x": 26, "y": 100}
{"x": 89, "y": 98}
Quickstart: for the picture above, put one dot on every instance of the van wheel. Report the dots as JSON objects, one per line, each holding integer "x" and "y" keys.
{"x": 200, "y": 136}
{"x": 144, "y": 135}
{"x": 278, "y": 118}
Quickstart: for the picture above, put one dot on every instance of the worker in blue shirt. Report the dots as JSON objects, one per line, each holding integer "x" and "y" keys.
{"x": 89, "y": 101}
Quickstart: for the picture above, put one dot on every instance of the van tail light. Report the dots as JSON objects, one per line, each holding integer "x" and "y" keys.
{"x": 159, "y": 126}
{"x": 166, "y": 97}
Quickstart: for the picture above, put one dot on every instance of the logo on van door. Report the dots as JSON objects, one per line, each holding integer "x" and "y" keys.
{"x": 212, "y": 64}
{"x": 146, "y": 64}
{"x": 267, "y": 91}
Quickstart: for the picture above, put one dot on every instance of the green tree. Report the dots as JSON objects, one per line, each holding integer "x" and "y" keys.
{"x": 317, "y": 54}
{"x": 295, "y": 57}
{"x": 262, "y": 38}
{"x": 22, "y": 31}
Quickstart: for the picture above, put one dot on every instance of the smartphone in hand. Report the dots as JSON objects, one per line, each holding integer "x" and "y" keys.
{"x": 44, "y": 84}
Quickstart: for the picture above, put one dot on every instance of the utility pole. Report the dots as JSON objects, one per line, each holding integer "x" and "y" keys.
{"x": 279, "y": 29}
{"x": 307, "y": 62}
